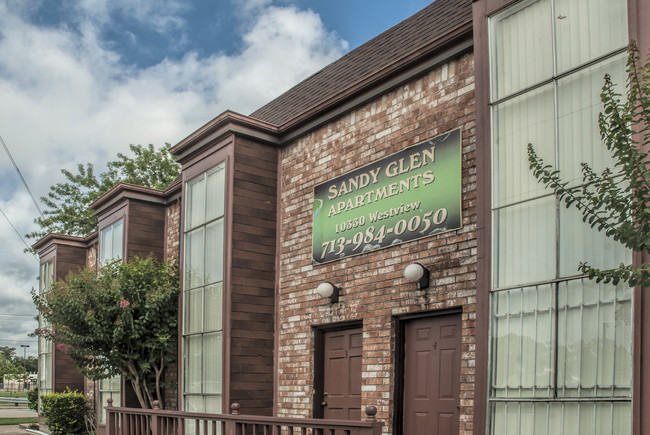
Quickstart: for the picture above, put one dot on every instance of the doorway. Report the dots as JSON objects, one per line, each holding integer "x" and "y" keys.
{"x": 430, "y": 369}
{"x": 337, "y": 389}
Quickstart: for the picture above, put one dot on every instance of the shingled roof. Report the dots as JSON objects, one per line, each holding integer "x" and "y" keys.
{"x": 423, "y": 31}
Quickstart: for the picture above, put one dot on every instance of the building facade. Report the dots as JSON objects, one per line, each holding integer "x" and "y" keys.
{"x": 563, "y": 354}
{"x": 299, "y": 226}
{"x": 133, "y": 221}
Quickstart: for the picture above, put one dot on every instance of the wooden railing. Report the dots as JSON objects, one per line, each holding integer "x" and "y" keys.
{"x": 132, "y": 421}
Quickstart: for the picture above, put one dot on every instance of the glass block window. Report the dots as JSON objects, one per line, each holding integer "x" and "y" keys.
{"x": 560, "y": 343}
{"x": 203, "y": 291}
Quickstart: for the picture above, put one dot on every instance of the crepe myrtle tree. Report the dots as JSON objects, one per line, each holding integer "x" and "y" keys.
{"x": 120, "y": 321}
{"x": 616, "y": 200}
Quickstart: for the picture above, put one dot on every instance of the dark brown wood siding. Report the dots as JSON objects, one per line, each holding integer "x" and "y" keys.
{"x": 145, "y": 234}
{"x": 68, "y": 259}
{"x": 66, "y": 374}
{"x": 253, "y": 276}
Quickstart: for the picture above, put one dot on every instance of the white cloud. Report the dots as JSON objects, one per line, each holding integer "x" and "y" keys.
{"x": 283, "y": 45}
{"x": 159, "y": 15}
{"x": 18, "y": 273}
{"x": 68, "y": 97}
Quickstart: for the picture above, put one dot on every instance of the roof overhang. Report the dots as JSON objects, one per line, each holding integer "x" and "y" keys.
{"x": 48, "y": 242}
{"x": 124, "y": 191}
{"x": 228, "y": 123}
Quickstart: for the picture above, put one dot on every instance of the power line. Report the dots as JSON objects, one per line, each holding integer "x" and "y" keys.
{"x": 19, "y": 341}
{"x": 22, "y": 178}
{"x": 21, "y": 237}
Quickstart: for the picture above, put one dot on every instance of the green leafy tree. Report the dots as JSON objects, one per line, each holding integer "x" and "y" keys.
{"x": 30, "y": 363}
{"x": 68, "y": 202}
{"x": 615, "y": 200}
{"x": 120, "y": 322}
{"x": 10, "y": 365}
{"x": 7, "y": 353}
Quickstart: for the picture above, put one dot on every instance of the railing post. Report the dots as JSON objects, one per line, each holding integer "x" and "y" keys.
{"x": 155, "y": 423}
{"x": 371, "y": 412}
{"x": 231, "y": 426}
{"x": 110, "y": 418}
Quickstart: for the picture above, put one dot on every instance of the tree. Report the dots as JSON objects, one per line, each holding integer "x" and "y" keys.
{"x": 615, "y": 201}
{"x": 7, "y": 366}
{"x": 121, "y": 321}
{"x": 7, "y": 353}
{"x": 68, "y": 210}
{"x": 11, "y": 365}
{"x": 31, "y": 364}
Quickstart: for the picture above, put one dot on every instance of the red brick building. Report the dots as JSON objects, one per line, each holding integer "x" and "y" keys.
{"x": 295, "y": 226}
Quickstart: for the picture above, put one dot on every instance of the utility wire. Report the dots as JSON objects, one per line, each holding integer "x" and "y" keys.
{"x": 19, "y": 341}
{"x": 22, "y": 178}
{"x": 21, "y": 237}
{"x": 13, "y": 162}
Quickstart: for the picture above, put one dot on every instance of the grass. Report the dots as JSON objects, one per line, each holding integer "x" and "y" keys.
{"x": 13, "y": 393}
{"x": 17, "y": 420}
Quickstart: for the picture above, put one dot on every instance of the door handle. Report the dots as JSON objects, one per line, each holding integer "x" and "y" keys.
{"x": 323, "y": 403}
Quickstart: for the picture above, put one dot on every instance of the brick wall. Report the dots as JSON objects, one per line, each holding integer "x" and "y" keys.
{"x": 172, "y": 245}
{"x": 372, "y": 286}
{"x": 92, "y": 257}
{"x": 172, "y": 229}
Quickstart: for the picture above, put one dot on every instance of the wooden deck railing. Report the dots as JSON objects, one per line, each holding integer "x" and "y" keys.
{"x": 132, "y": 421}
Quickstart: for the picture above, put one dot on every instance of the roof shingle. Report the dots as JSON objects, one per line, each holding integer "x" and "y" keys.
{"x": 417, "y": 31}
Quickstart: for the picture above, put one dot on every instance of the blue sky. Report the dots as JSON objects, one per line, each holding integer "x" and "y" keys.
{"x": 80, "y": 80}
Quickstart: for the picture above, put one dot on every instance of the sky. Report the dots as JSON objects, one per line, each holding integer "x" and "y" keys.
{"x": 80, "y": 80}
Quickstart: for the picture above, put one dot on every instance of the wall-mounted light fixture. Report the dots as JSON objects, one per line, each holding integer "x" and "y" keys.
{"x": 415, "y": 272}
{"x": 328, "y": 290}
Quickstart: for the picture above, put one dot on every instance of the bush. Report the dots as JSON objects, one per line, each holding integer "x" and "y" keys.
{"x": 32, "y": 399}
{"x": 64, "y": 412}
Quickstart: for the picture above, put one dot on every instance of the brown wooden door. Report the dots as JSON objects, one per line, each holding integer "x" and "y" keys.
{"x": 432, "y": 375}
{"x": 342, "y": 374}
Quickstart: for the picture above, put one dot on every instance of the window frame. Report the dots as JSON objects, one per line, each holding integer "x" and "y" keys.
{"x": 204, "y": 168}
{"x": 559, "y": 278}
{"x": 121, "y": 221}
{"x": 109, "y": 220}
{"x": 46, "y": 347}
{"x": 106, "y": 393}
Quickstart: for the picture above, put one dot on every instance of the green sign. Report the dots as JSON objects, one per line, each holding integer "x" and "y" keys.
{"x": 412, "y": 194}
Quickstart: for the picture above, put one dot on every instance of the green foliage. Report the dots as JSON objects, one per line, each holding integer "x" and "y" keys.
{"x": 11, "y": 365}
{"x": 121, "y": 321}
{"x": 65, "y": 413}
{"x": 615, "y": 201}
{"x": 31, "y": 364}
{"x": 7, "y": 353}
{"x": 68, "y": 210}
{"x": 13, "y": 421}
{"x": 32, "y": 398}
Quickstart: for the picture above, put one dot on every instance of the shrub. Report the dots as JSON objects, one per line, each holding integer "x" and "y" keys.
{"x": 32, "y": 399}
{"x": 64, "y": 412}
